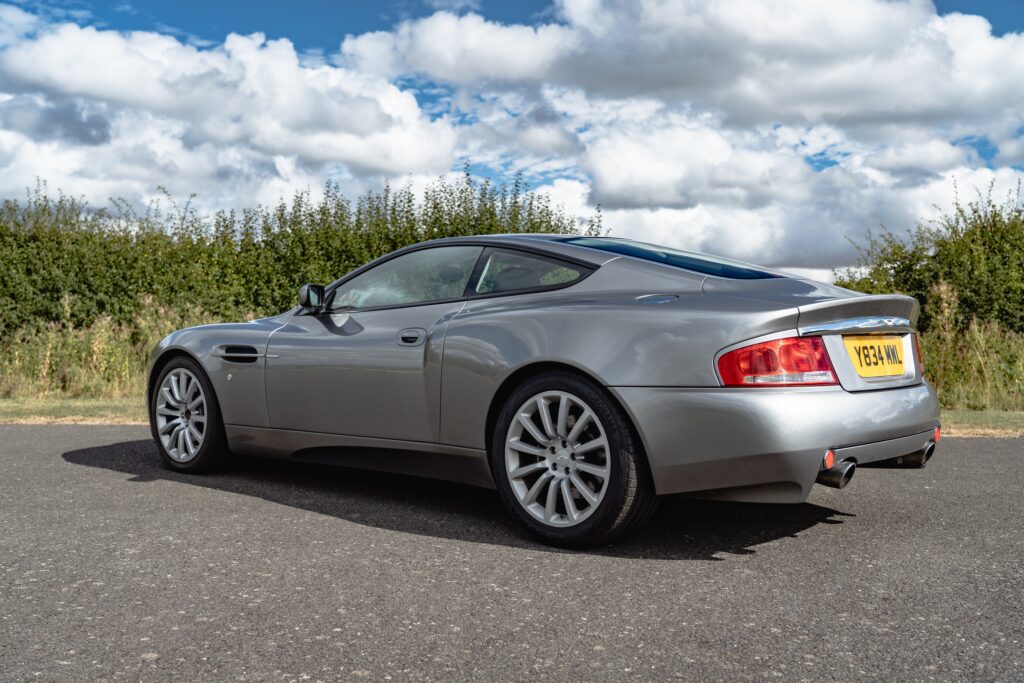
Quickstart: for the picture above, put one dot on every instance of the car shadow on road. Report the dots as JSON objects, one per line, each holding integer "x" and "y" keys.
{"x": 682, "y": 528}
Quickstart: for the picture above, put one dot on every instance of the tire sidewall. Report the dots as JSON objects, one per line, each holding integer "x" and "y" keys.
{"x": 212, "y": 442}
{"x": 619, "y": 456}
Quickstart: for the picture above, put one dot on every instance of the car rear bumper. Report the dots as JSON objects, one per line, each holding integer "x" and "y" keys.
{"x": 766, "y": 445}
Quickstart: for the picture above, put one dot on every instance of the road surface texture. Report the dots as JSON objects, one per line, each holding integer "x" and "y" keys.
{"x": 113, "y": 568}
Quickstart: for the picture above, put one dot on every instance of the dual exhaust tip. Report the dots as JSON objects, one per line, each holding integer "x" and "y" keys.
{"x": 917, "y": 459}
{"x": 838, "y": 475}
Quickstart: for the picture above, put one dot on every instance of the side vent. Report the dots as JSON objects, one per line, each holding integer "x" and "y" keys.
{"x": 239, "y": 354}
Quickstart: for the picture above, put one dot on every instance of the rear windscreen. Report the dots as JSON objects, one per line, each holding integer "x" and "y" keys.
{"x": 699, "y": 263}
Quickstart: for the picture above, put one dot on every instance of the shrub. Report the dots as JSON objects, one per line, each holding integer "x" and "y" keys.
{"x": 977, "y": 250}
{"x": 59, "y": 254}
{"x": 978, "y": 366}
{"x": 85, "y": 294}
{"x": 967, "y": 269}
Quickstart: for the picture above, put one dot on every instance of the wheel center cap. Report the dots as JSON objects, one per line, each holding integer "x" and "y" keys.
{"x": 562, "y": 458}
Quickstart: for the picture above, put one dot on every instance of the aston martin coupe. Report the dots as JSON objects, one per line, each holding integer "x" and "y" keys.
{"x": 581, "y": 377}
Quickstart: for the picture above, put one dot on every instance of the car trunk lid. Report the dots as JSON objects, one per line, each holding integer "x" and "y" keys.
{"x": 869, "y": 338}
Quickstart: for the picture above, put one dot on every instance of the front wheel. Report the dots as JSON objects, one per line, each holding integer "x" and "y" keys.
{"x": 567, "y": 463}
{"x": 185, "y": 418}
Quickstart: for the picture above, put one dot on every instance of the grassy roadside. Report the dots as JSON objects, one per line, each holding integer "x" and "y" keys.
{"x": 72, "y": 411}
{"x": 982, "y": 423}
{"x": 132, "y": 411}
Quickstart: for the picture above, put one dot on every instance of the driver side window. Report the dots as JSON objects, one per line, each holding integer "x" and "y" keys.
{"x": 423, "y": 276}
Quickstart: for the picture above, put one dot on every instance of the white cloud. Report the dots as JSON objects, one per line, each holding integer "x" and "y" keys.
{"x": 774, "y": 131}
{"x": 933, "y": 155}
{"x": 218, "y": 119}
{"x": 683, "y": 163}
{"x": 797, "y": 61}
{"x": 251, "y": 91}
{"x": 460, "y": 48}
{"x": 15, "y": 23}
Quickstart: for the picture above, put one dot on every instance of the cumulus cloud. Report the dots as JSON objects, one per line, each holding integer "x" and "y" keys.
{"x": 776, "y": 131}
{"x": 798, "y": 61}
{"x": 41, "y": 119}
{"x": 683, "y": 163}
{"x": 250, "y": 91}
{"x": 460, "y": 48}
{"x": 15, "y": 23}
{"x": 234, "y": 115}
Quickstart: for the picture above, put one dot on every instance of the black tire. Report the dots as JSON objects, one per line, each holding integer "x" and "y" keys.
{"x": 629, "y": 500}
{"x": 213, "y": 452}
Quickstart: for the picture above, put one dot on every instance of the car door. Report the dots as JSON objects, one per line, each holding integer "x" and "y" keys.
{"x": 369, "y": 364}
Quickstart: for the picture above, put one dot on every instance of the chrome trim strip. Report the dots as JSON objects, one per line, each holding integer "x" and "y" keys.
{"x": 873, "y": 324}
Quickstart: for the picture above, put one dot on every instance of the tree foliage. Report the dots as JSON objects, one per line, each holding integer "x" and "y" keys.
{"x": 62, "y": 261}
{"x": 977, "y": 251}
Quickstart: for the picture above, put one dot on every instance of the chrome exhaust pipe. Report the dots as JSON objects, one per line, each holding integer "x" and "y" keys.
{"x": 839, "y": 475}
{"x": 918, "y": 459}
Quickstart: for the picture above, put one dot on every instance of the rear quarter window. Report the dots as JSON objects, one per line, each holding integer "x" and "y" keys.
{"x": 510, "y": 271}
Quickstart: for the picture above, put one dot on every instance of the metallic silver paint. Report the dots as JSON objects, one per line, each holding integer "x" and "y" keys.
{"x": 362, "y": 381}
{"x": 343, "y": 388}
{"x": 767, "y": 441}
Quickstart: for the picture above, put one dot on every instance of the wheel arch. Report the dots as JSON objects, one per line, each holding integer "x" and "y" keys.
{"x": 522, "y": 374}
{"x": 160, "y": 363}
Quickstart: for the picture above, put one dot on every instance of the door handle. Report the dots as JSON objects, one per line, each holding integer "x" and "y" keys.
{"x": 412, "y": 336}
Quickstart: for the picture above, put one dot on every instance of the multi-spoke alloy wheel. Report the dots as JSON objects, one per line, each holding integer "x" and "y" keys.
{"x": 181, "y": 415}
{"x": 184, "y": 417}
{"x": 567, "y": 462}
{"x": 556, "y": 458}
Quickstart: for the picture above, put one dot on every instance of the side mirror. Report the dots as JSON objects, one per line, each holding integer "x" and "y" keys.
{"x": 311, "y": 296}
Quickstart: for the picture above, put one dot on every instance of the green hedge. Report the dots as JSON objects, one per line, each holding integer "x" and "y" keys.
{"x": 63, "y": 262}
{"x": 976, "y": 251}
{"x": 967, "y": 270}
{"x": 84, "y": 294}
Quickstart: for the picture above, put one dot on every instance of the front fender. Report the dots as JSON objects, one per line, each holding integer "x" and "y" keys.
{"x": 238, "y": 382}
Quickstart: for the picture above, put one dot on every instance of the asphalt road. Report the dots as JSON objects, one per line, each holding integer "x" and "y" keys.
{"x": 113, "y": 568}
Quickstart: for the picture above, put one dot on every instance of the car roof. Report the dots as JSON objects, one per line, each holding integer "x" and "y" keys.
{"x": 547, "y": 242}
{"x": 583, "y": 248}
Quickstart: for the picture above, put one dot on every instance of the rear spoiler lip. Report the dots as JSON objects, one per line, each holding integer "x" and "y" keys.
{"x": 861, "y": 314}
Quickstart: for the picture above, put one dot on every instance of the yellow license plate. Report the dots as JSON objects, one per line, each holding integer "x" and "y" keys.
{"x": 876, "y": 356}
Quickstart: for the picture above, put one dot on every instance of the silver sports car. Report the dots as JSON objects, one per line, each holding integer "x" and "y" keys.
{"x": 581, "y": 377}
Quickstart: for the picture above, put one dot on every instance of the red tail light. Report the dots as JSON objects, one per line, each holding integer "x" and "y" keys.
{"x": 781, "y": 362}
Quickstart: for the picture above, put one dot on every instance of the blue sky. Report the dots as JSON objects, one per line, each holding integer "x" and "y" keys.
{"x": 1004, "y": 15}
{"x": 775, "y": 131}
{"x": 322, "y": 24}
{"x": 309, "y": 24}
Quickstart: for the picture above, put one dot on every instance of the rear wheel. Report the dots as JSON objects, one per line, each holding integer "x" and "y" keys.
{"x": 185, "y": 418}
{"x": 567, "y": 463}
